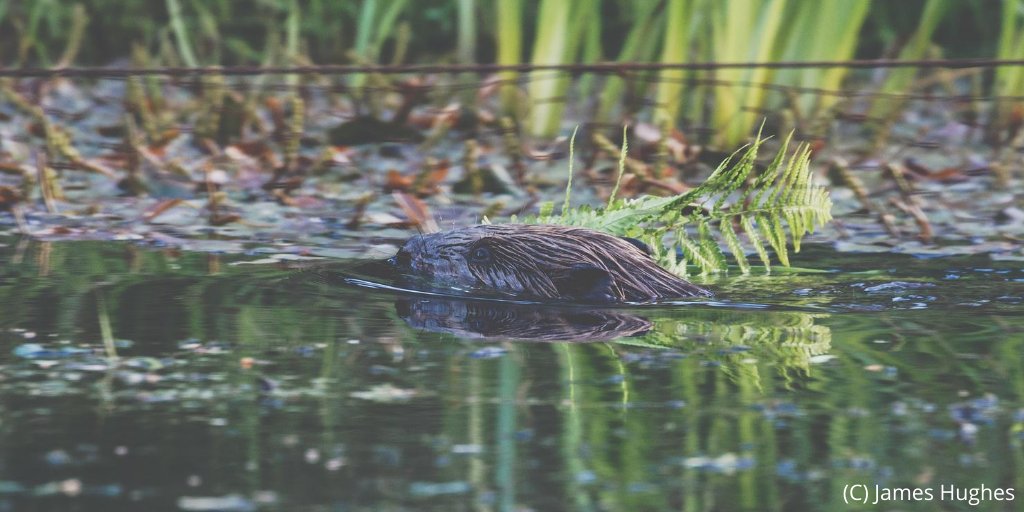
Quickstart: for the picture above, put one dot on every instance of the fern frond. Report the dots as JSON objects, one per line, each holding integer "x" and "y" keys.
{"x": 622, "y": 170}
{"x": 733, "y": 243}
{"x": 748, "y": 227}
{"x": 693, "y": 252}
{"x": 774, "y": 209}
{"x": 568, "y": 186}
{"x": 709, "y": 246}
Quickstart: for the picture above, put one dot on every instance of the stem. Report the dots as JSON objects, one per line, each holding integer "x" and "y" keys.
{"x": 181, "y": 34}
{"x": 568, "y": 186}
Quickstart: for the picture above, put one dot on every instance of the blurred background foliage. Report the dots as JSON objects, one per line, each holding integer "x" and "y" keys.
{"x": 293, "y": 32}
{"x": 35, "y": 33}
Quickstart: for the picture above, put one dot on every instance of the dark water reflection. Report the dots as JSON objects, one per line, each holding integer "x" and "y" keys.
{"x": 469, "y": 319}
{"x": 251, "y": 387}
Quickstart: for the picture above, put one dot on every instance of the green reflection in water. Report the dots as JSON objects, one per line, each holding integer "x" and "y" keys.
{"x": 255, "y": 384}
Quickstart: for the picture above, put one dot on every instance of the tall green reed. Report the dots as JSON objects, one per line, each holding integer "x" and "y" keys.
{"x": 675, "y": 49}
{"x": 900, "y": 80}
{"x": 828, "y": 32}
{"x": 509, "y": 35}
{"x": 742, "y": 32}
{"x": 1009, "y": 80}
{"x": 640, "y": 45}
{"x": 375, "y": 26}
{"x": 560, "y": 25}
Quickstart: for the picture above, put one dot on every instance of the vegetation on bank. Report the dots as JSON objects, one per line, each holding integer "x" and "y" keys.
{"x": 293, "y": 32}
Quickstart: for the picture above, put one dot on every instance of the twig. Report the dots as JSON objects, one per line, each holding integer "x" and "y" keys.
{"x": 45, "y": 183}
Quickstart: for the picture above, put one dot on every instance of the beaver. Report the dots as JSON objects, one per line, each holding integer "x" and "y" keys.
{"x": 544, "y": 262}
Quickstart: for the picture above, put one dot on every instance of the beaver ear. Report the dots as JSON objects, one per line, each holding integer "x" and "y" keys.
{"x": 644, "y": 248}
{"x": 588, "y": 283}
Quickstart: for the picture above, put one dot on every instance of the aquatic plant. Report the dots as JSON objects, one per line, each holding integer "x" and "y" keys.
{"x": 509, "y": 42}
{"x": 374, "y": 27}
{"x": 741, "y": 33}
{"x": 674, "y": 50}
{"x": 901, "y": 79}
{"x": 777, "y": 206}
{"x": 1009, "y": 79}
{"x": 557, "y": 42}
{"x": 47, "y": 33}
{"x": 640, "y": 45}
{"x": 829, "y": 32}
{"x": 181, "y": 34}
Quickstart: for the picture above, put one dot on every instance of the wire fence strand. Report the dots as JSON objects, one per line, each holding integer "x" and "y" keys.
{"x": 599, "y": 67}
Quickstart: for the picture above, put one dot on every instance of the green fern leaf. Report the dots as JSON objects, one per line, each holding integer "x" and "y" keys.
{"x": 709, "y": 247}
{"x": 693, "y": 252}
{"x": 733, "y": 243}
{"x": 546, "y": 208}
{"x": 777, "y": 207}
{"x": 770, "y": 228}
{"x": 755, "y": 242}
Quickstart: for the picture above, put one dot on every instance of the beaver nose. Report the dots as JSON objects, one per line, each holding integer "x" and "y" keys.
{"x": 404, "y": 256}
{"x": 400, "y": 259}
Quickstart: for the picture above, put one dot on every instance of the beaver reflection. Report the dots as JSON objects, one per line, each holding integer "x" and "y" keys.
{"x": 477, "y": 319}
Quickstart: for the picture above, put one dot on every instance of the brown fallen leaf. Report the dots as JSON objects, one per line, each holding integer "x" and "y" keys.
{"x": 253, "y": 148}
{"x": 396, "y": 181}
{"x": 160, "y": 208}
{"x": 948, "y": 174}
{"x": 357, "y": 216}
{"x": 221, "y": 219}
{"x": 11, "y": 168}
{"x": 417, "y": 212}
{"x": 428, "y": 181}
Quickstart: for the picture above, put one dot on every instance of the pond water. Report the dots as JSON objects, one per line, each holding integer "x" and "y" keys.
{"x": 139, "y": 379}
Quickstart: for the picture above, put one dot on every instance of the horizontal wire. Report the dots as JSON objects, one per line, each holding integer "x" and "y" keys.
{"x": 599, "y": 67}
{"x": 780, "y": 88}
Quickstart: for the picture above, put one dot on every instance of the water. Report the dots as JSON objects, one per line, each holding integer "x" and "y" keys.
{"x": 225, "y": 386}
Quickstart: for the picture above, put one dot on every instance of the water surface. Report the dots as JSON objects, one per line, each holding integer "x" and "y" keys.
{"x": 137, "y": 379}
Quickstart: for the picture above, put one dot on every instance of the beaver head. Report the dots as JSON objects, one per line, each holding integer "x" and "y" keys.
{"x": 541, "y": 262}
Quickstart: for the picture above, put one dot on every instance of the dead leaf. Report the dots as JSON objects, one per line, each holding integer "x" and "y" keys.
{"x": 417, "y": 212}
{"x": 397, "y": 181}
{"x": 160, "y": 208}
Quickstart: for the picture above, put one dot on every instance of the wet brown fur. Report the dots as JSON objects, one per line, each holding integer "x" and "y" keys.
{"x": 542, "y": 262}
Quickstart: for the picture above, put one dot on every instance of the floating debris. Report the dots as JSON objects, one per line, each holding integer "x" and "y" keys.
{"x": 726, "y": 464}
{"x": 386, "y": 393}
{"x": 488, "y": 353}
{"x": 226, "y": 503}
{"x": 38, "y": 351}
{"x": 430, "y": 489}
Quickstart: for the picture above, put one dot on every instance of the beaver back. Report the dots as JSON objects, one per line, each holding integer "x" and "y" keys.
{"x": 542, "y": 262}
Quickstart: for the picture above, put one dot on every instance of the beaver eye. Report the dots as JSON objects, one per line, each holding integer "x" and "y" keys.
{"x": 480, "y": 255}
